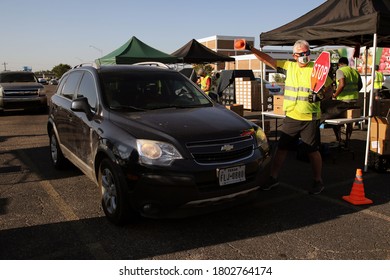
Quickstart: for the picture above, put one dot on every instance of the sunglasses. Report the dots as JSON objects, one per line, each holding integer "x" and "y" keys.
{"x": 307, "y": 53}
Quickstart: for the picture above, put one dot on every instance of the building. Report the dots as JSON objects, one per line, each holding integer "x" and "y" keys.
{"x": 225, "y": 45}
{"x": 244, "y": 59}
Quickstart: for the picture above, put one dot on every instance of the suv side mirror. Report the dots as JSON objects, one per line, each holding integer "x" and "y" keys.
{"x": 81, "y": 105}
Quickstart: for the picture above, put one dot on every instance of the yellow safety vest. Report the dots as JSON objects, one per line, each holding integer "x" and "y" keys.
{"x": 297, "y": 89}
{"x": 350, "y": 91}
{"x": 203, "y": 83}
{"x": 378, "y": 80}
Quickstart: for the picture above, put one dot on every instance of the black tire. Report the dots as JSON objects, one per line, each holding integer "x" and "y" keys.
{"x": 115, "y": 201}
{"x": 56, "y": 155}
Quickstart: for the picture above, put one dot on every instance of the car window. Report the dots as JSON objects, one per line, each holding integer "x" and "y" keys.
{"x": 20, "y": 77}
{"x": 71, "y": 84}
{"x": 150, "y": 90}
{"x": 61, "y": 84}
{"x": 87, "y": 89}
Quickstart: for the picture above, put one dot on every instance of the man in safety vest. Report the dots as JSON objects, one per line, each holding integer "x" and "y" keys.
{"x": 349, "y": 83}
{"x": 204, "y": 81}
{"x": 378, "y": 81}
{"x": 302, "y": 112}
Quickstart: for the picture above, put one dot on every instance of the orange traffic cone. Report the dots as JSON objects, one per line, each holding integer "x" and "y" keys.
{"x": 357, "y": 196}
{"x": 239, "y": 44}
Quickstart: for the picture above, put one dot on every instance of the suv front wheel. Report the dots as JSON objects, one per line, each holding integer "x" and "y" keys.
{"x": 114, "y": 200}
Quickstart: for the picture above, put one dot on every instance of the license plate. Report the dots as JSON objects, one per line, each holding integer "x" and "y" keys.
{"x": 231, "y": 175}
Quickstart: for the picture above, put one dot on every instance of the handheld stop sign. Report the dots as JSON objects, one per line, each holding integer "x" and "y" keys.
{"x": 320, "y": 71}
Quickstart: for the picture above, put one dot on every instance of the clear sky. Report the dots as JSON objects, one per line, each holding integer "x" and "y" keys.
{"x": 44, "y": 33}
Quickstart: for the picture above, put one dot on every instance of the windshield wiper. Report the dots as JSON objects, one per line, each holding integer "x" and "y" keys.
{"x": 126, "y": 107}
{"x": 178, "y": 106}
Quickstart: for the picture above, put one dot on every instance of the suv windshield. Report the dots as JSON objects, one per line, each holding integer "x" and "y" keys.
{"x": 148, "y": 90}
{"x": 22, "y": 77}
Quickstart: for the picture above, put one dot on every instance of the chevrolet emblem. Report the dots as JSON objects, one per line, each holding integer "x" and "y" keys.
{"x": 227, "y": 148}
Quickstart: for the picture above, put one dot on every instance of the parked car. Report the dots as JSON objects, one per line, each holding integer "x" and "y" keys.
{"x": 53, "y": 82}
{"x": 21, "y": 90}
{"x": 42, "y": 81}
{"x": 154, "y": 143}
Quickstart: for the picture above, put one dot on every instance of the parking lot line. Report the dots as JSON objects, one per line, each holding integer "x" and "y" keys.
{"x": 96, "y": 249}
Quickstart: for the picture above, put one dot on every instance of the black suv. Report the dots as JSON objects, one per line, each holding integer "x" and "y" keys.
{"x": 21, "y": 90}
{"x": 153, "y": 142}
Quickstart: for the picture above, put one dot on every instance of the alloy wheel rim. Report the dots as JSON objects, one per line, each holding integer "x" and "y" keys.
{"x": 109, "y": 191}
{"x": 54, "y": 150}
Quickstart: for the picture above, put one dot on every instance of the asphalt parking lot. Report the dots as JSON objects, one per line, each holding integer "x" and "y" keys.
{"x": 48, "y": 214}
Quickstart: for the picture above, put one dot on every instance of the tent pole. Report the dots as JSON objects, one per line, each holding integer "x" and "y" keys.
{"x": 365, "y": 84}
{"x": 371, "y": 103}
{"x": 262, "y": 76}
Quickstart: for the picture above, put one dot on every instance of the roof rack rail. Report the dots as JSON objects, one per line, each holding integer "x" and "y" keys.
{"x": 153, "y": 63}
{"x": 93, "y": 64}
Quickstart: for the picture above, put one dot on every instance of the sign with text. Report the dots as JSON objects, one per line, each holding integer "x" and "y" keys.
{"x": 320, "y": 71}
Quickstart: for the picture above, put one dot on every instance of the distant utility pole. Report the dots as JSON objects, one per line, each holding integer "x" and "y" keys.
{"x": 5, "y": 66}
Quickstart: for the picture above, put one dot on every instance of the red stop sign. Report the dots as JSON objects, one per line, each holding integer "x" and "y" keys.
{"x": 320, "y": 71}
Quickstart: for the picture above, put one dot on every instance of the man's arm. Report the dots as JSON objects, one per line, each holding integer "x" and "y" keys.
{"x": 340, "y": 87}
{"x": 262, "y": 56}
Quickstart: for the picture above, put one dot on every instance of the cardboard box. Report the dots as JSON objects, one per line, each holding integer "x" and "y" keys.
{"x": 381, "y": 147}
{"x": 278, "y": 100}
{"x": 380, "y": 128}
{"x": 278, "y": 109}
{"x": 248, "y": 94}
{"x": 237, "y": 108}
{"x": 352, "y": 113}
{"x": 278, "y": 104}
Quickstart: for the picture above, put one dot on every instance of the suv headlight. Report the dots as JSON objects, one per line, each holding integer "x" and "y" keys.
{"x": 156, "y": 153}
{"x": 41, "y": 91}
{"x": 262, "y": 139}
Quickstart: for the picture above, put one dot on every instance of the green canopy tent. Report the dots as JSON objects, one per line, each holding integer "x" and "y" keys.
{"x": 134, "y": 51}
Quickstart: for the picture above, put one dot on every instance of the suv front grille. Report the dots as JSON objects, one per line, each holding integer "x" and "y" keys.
{"x": 24, "y": 92}
{"x": 222, "y": 150}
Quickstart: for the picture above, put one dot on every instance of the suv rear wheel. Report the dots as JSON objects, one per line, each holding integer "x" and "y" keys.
{"x": 114, "y": 199}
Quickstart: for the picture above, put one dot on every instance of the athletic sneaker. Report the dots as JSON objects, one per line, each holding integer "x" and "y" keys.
{"x": 270, "y": 183}
{"x": 316, "y": 188}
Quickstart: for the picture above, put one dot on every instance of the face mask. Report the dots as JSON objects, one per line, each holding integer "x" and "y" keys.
{"x": 304, "y": 59}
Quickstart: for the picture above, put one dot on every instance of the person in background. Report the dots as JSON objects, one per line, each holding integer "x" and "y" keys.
{"x": 377, "y": 82}
{"x": 215, "y": 81}
{"x": 303, "y": 113}
{"x": 349, "y": 83}
{"x": 204, "y": 81}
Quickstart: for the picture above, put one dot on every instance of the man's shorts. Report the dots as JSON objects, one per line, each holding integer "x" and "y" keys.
{"x": 307, "y": 131}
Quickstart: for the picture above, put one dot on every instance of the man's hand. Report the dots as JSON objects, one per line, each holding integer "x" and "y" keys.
{"x": 248, "y": 47}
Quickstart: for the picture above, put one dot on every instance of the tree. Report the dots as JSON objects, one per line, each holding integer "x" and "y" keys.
{"x": 279, "y": 78}
{"x": 207, "y": 68}
{"x": 60, "y": 69}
